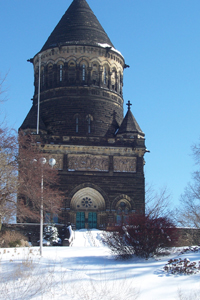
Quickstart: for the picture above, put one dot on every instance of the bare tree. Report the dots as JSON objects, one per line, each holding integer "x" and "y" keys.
{"x": 8, "y": 173}
{"x": 188, "y": 213}
{"x": 37, "y": 181}
{"x": 21, "y": 173}
{"x": 8, "y": 166}
{"x": 38, "y": 186}
{"x": 157, "y": 203}
{"x": 2, "y": 90}
{"x": 196, "y": 152}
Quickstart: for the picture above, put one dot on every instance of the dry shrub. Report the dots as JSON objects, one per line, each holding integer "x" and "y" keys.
{"x": 12, "y": 238}
{"x": 144, "y": 236}
{"x": 182, "y": 266}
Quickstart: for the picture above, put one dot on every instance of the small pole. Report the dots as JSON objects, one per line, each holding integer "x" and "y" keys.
{"x": 41, "y": 214}
{"x": 42, "y": 161}
{"x": 38, "y": 111}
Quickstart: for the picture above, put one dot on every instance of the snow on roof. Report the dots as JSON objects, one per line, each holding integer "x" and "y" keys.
{"x": 112, "y": 48}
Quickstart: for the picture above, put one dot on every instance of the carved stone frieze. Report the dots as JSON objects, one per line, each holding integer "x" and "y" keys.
{"x": 124, "y": 164}
{"x": 87, "y": 162}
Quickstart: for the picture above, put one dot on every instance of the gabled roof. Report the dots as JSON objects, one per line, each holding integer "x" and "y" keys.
{"x": 78, "y": 25}
{"x": 129, "y": 125}
{"x": 31, "y": 121}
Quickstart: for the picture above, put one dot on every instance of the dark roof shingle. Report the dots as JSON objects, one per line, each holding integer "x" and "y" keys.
{"x": 129, "y": 125}
{"x": 78, "y": 25}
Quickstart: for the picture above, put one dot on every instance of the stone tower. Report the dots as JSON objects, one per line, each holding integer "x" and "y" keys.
{"x": 78, "y": 79}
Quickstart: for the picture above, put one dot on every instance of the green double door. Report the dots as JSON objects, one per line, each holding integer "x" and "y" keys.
{"x": 92, "y": 220}
{"x": 80, "y": 220}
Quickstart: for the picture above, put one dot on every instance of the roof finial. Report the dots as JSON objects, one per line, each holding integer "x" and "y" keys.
{"x": 129, "y": 104}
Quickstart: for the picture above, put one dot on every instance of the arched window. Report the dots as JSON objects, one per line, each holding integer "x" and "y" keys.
{"x": 95, "y": 74}
{"x": 89, "y": 125}
{"x": 76, "y": 124}
{"x": 89, "y": 119}
{"x": 83, "y": 72}
{"x": 119, "y": 83}
{"x": 76, "y": 119}
{"x": 72, "y": 72}
{"x": 113, "y": 79}
{"x": 123, "y": 208}
{"x": 61, "y": 73}
{"x": 105, "y": 76}
{"x": 42, "y": 77}
{"x": 50, "y": 75}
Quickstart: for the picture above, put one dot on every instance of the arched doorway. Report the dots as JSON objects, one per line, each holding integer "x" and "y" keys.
{"x": 87, "y": 203}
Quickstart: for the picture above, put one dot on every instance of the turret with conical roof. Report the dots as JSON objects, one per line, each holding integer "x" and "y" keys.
{"x": 81, "y": 77}
{"x": 129, "y": 126}
{"x": 78, "y": 26}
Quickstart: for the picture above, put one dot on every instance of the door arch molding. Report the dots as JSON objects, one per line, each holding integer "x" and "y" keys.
{"x": 87, "y": 199}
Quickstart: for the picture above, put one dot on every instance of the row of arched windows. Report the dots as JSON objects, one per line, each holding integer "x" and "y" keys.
{"x": 60, "y": 74}
{"x": 88, "y": 119}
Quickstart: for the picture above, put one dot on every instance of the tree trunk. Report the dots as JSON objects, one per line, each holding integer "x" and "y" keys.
{"x": 0, "y": 222}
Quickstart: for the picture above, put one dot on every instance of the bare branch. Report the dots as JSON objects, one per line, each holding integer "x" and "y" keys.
{"x": 8, "y": 172}
{"x": 2, "y": 90}
{"x": 30, "y": 173}
{"x": 157, "y": 203}
{"x": 188, "y": 213}
{"x": 196, "y": 152}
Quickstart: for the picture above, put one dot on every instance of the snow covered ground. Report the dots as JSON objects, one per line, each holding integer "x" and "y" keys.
{"x": 87, "y": 270}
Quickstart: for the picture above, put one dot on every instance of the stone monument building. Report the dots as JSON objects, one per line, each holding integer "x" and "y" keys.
{"x": 78, "y": 79}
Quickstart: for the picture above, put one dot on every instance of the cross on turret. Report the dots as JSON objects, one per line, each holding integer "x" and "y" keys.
{"x": 129, "y": 104}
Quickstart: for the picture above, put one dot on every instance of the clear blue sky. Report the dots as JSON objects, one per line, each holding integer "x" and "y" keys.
{"x": 160, "y": 40}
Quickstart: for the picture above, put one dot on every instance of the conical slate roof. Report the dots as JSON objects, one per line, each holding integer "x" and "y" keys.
{"x": 129, "y": 125}
{"x": 78, "y": 26}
